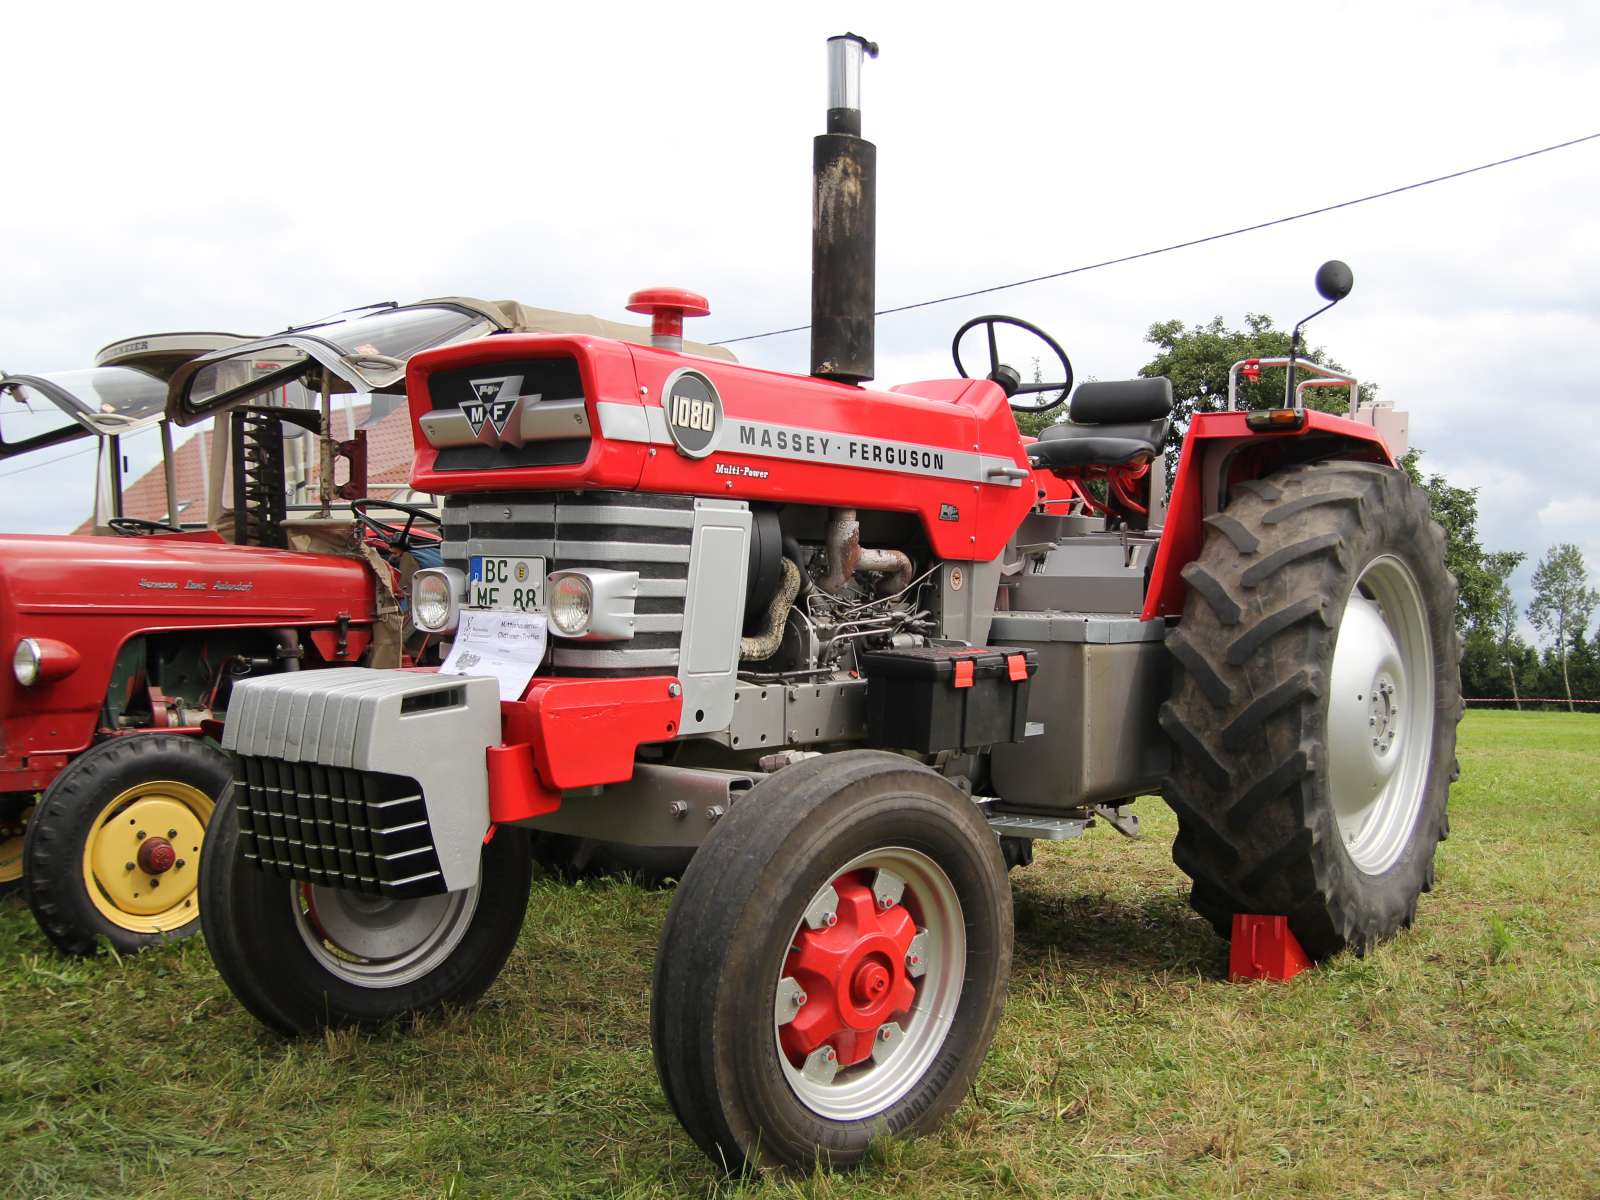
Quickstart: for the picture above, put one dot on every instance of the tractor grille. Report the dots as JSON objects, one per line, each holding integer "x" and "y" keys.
{"x": 363, "y": 831}
{"x": 621, "y": 531}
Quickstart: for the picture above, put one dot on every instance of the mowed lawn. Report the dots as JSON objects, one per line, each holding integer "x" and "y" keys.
{"x": 1463, "y": 1059}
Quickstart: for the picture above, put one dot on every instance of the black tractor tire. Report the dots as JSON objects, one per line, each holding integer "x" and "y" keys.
{"x": 272, "y": 954}
{"x": 1268, "y": 751}
{"x": 737, "y": 916}
{"x": 78, "y": 841}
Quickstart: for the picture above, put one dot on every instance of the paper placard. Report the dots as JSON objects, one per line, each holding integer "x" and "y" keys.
{"x": 507, "y": 647}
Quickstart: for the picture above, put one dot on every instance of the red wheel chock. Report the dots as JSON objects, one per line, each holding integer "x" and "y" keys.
{"x": 1263, "y": 948}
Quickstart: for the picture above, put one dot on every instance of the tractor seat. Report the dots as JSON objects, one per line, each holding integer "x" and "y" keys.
{"x": 1112, "y": 423}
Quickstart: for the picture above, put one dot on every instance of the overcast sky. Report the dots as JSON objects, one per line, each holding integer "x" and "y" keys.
{"x": 245, "y": 167}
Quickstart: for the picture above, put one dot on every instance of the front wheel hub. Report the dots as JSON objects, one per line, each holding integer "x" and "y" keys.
{"x": 156, "y": 855}
{"x": 853, "y": 975}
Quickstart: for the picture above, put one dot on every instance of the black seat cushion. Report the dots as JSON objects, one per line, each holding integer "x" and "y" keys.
{"x": 1119, "y": 401}
{"x": 1098, "y": 445}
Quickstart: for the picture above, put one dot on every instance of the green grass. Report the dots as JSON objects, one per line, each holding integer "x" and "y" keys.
{"x": 1463, "y": 1059}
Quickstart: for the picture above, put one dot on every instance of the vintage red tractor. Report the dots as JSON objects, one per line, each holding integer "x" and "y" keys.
{"x": 123, "y": 648}
{"x": 852, "y": 649}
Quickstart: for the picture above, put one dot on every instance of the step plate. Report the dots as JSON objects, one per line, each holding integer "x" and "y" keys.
{"x": 1049, "y": 828}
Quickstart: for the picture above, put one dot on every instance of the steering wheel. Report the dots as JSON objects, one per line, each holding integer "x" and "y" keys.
{"x": 139, "y": 527}
{"x": 1007, "y": 376}
{"x": 394, "y": 536}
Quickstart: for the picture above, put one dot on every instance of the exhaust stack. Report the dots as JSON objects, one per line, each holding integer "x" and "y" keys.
{"x": 844, "y": 222}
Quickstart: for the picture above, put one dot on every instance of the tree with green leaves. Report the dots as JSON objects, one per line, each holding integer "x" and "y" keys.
{"x": 1563, "y": 602}
{"x": 1499, "y": 616}
{"x": 1197, "y": 360}
{"x": 1456, "y": 510}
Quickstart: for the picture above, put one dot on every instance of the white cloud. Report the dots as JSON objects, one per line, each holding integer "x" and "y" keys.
{"x": 190, "y": 166}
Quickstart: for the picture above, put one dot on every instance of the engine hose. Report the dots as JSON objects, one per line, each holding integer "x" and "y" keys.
{"x": 765, "y": 643}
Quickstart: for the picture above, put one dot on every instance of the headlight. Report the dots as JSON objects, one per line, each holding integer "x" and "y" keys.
{"x": 25, "y": 662}
{"x": 435, "y": 599}
{"x": 571, "y": 604}
{"x": 592, "y": 603}
{"x": 43, "y": 660}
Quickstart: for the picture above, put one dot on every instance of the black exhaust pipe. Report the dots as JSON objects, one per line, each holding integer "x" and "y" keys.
{"x": 844, "y": 224}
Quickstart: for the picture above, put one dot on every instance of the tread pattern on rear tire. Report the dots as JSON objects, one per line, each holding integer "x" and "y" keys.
{"x": 1256, "y": 830}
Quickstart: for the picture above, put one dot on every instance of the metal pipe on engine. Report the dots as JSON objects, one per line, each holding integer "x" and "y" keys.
{"x": 844, "y": 225}
{"x": 846, "y": 558}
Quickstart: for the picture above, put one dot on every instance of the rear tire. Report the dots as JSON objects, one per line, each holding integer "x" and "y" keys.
{"x": 303, "y": 958}
{"x": 1314, "y": 719}
{"x": 89, "y": 842}
{"x": 873, "y": 1048}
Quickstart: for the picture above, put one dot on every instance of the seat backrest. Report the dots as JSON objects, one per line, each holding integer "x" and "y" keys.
{"x": 1122, "y": 401}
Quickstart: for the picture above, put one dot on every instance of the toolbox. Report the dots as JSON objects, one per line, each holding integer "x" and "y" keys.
{"x": 932, "y": 699}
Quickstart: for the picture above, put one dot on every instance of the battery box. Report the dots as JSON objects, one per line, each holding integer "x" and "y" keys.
{"x": 934, "y": 699}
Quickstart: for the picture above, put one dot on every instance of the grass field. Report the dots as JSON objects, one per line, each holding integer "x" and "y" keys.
{"x": 1462, "y": 1059}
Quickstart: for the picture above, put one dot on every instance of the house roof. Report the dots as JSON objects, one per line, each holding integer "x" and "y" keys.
{"x": 389, "y": 454}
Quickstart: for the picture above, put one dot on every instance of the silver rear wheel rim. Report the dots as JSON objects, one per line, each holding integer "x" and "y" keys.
{"x": 377, "y": 943}
{"x": 1380, "y": 715}
{"x": 862, "y": 1091}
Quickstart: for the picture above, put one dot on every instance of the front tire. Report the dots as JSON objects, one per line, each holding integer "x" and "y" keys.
{"x": 1314, "y": 719}
{"x": 114, "y": 848}
{"x": 303, "y": 958}
{"x": 902, "y": 989}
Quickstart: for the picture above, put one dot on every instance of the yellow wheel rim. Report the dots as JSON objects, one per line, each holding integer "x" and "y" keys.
{"x": 11, "y": 853}
{"x": 127, "y": 894}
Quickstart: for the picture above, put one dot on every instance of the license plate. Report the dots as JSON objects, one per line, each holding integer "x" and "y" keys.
{"x": 507, "y": 584}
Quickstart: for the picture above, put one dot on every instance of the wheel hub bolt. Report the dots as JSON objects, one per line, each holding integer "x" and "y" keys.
{"x": 140, "y": 835}
{"x": 172, "y": 833}
{"x": 155, "y": 856}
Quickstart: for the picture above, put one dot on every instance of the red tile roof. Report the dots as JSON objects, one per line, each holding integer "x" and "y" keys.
{"x": 388, "y": 463}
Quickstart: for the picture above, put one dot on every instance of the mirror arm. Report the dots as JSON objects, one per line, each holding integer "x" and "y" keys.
{"x": 1294, "y": 353}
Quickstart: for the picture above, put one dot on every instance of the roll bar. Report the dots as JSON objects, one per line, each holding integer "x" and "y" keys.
{"x": 1251, "y": 368}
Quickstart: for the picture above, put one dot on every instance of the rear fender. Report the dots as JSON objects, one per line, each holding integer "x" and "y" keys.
{"x": 1219, "y": 451}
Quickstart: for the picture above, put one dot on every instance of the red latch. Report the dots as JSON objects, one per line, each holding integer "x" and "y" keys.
{"x": 1017, "y": 664}
{"x": 963, "y": 672}
{"x": 1252, "y": 369}
{"x": 1265, "y": 948}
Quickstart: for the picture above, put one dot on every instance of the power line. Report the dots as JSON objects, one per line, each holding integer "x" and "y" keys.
{"x": 1215, "y": 237}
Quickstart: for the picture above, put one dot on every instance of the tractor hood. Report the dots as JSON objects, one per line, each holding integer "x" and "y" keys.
{"x": 366, "y": 350}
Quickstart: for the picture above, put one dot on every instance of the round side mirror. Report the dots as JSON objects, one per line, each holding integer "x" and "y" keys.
{"x": 1334, "y": 280}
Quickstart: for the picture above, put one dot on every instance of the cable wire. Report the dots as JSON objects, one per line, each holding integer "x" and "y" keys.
{"x": 1215, "y": 237}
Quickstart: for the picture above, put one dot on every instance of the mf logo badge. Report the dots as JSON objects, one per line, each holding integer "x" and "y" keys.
{"x": 492, "y": 405}
{"x": 694, "y": 413}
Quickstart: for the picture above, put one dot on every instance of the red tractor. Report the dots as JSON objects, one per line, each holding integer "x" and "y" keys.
{"x": 848, "y": 652}
{"x": 123, "y": 648}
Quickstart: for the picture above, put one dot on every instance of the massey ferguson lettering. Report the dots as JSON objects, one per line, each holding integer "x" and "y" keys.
{"x": 778, "y": 442}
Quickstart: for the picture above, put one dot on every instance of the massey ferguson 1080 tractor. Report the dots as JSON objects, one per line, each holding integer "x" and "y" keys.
{"x": 853, "y": 649}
